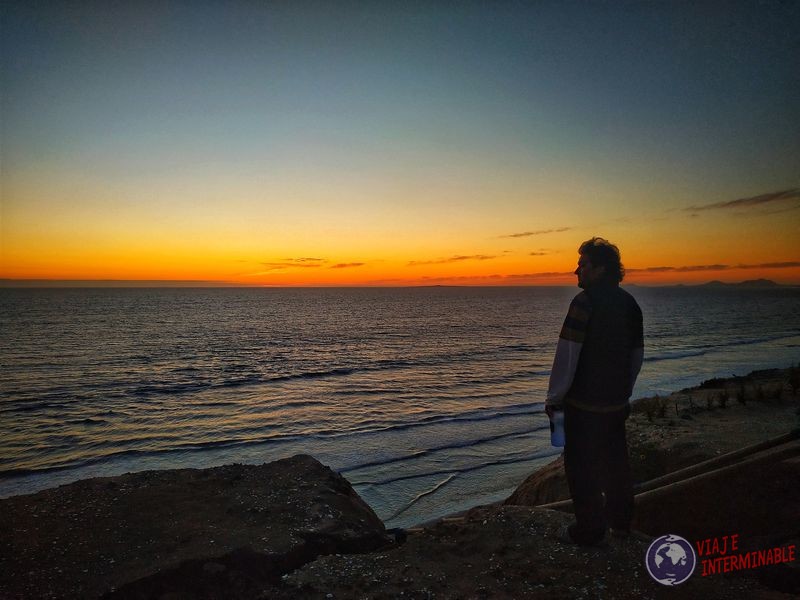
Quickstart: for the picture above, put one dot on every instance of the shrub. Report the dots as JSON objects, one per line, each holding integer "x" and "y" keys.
{"x": 662, "y": 406}
{"x": 760, "y": 395}
{"x": 794, "y": 379}
{"x": 709, "y": 401}
{"x": 649, "y": 408}
{"x": 741, "y": 394}
{"x": 723, "y": 400}
{"x": 711, "y": 383}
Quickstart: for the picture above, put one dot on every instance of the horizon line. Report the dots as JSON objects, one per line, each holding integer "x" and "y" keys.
{"x": 8, "y": 283}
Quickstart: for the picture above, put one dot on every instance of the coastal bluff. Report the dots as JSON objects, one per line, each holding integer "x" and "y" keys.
{"x": 223, "y": 532}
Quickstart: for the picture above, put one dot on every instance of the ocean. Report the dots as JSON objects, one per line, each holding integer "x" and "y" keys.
{"x": 429, "y": 400}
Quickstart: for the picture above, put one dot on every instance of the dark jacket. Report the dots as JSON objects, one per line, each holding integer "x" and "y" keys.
{"x": 609, "y": 321}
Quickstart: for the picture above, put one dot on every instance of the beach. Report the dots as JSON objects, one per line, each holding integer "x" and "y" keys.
{"x": 501, "y": 551}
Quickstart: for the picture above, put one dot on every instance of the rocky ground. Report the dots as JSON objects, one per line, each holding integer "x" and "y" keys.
{"x": 503, "y": 552}
{"x": 225, "y": 532}
{"x": 294, "y": 529}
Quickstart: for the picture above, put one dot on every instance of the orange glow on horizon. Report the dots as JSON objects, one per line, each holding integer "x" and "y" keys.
{"x": 390, "y": 274}
{"x": 50, "y": 241}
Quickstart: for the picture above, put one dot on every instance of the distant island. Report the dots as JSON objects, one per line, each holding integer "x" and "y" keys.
{"x": 752, "y": 284}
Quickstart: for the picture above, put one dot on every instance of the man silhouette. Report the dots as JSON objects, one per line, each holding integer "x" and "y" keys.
{"x": 598, "y": 357}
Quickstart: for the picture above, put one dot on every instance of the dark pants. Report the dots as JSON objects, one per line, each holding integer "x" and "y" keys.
{"x": 596, "y": 462}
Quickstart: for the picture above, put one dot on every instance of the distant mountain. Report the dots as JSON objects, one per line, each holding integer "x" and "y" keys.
{"x": 750, "y": 283}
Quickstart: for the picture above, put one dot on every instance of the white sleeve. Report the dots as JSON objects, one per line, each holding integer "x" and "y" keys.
{"x": 637, "y": 357}
{"x": 564, "y": 365}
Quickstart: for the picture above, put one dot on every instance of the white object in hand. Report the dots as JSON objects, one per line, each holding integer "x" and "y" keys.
{"x": 557, "y": 429}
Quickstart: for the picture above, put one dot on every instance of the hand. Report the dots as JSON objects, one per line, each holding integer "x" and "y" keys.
{"x": 549, "y": 409}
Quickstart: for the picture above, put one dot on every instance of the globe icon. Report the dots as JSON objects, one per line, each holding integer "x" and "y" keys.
{"x": 670, "y": 560}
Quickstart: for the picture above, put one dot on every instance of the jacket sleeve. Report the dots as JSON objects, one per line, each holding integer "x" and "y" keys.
{"x": 637, "y": 355}
{"x": 565, "y": 364}
{"x": 568, "y": 349}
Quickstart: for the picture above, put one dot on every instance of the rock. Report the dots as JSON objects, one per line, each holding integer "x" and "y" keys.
{"x": 228, "y": 531}
{"x": 547, "y": 484}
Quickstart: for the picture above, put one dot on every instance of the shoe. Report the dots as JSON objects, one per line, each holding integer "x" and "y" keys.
{"x": 566, "y": 535}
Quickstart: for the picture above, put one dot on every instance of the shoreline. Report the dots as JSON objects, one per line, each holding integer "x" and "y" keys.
{"x": 294, "y": 528}
{"x": 679, "y": 404}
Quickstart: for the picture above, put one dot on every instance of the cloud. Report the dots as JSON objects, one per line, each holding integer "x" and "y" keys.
{"x": 693, "y": 268}
{"x": 791, "y": 195}
{"x": 286, "y": 263}
{"x": 544, "y": 275}
{"x": 306, "y": 260}
{"x": 539, "y": 232}
{"x": 686, "y": 269}
{"x": 494, "y": 278}
{"x": 452, "y": 259}
{"x": 463, "y": 278}
{"x": 347, "y": 265}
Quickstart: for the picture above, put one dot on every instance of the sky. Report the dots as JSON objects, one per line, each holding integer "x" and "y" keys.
{"x": 415, "y": 143}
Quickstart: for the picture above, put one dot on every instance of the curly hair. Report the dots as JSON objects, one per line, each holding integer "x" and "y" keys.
{"x": 601, "y": 252}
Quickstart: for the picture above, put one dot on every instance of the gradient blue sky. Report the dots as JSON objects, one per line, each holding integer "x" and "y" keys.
{"x": 204, "y": 140}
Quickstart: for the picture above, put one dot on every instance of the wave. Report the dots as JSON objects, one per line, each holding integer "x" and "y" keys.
{"x": 372, "y": 426}
{"x": 544, "y": 453}
{"x": 312, "y": 374}
{"x": 242, "y": 381}
{"x": 444, "y": 381}
{"x": 132, "y": 452}
{"x": 87, "y": 421}
{"x": 432, "y": 361}
{"x": 295, "y": 404}
{"x": 449, "y": 446}
{"x": 703, "y": 349}
{"x": 74, "y": 464}
{"x": 674, "y": 355}
{"x": 168, "y": 388}
{"x": 421, "y": 495}
{"x": 385, "y": 365}
{"x": 31, "y": 406}
{"x": 212, "y": 404}
{"x": 261, "y": 439}
{"x": 187, "y": 379}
